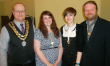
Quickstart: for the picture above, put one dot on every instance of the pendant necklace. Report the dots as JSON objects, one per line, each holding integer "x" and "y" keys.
{"x": 21, "y": 37}
{"x": 52, "y": 43}
{"x": 68, "y": 34}
{"x": 89, "y": 33}
{"x": 66, "y": 29}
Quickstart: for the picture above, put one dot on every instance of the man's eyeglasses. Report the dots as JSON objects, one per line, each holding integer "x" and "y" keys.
{"x": 17, "y": 11}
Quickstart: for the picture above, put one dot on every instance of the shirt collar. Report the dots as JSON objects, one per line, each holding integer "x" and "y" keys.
{"x": 18, "y": 24}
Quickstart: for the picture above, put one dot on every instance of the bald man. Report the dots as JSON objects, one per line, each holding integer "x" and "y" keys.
{"x": 17, "y": 37}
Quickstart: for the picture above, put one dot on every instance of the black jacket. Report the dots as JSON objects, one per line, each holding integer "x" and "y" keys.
{"x": 96, "y": 52}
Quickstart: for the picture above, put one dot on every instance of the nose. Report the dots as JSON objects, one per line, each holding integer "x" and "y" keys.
{"x": 48, "y": 19}
{"x": 20, "y": 12}
{"x": 89, "y": 11}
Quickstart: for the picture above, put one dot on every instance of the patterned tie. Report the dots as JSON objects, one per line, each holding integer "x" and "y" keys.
{"x": 22, "y": 28}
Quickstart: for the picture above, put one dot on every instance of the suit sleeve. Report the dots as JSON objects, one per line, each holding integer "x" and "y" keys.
{"x": 80, "y": 39}
{"x": 107, "y": 56}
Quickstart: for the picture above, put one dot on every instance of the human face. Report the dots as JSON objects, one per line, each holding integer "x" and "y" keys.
{"x": 70, "y": 18}
{"x": 19, "y": 13}
{"x": 90, "y": 11}
{"x": 47, "y": 20}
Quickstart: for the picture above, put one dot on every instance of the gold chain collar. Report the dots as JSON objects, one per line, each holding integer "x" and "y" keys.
{"x": 22, "y": 37}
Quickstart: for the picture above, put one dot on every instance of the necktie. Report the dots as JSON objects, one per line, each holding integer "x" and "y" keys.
{"x": 22, "y": 28}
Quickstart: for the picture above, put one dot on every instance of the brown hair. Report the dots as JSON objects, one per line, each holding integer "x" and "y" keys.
{"x": 43, "y": 28}
{"x": 69, "y": 10}
{"x": 91, "y": 2}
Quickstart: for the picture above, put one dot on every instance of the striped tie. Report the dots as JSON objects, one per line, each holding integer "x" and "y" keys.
{"x": 22, "y": 28}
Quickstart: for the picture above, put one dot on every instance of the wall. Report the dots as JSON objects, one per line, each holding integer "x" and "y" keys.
{"x": 1, "y": 11}
{"x": 99, "y": 6}
{"x": 105, "y": 9}
{"x": 57, "y": 7}
{"x": 8, "y": 4}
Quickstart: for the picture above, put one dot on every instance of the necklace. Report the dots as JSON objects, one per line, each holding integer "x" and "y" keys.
{"x": 66, "y": 29}
{"x": 89, "y": 33}
{"x": 68, "y": 39}
{"x": 22, "y": 37}
{"x": 52, "y": 43}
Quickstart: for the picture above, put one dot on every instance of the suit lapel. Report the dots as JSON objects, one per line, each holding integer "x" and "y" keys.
{"x": 95, "y": 29}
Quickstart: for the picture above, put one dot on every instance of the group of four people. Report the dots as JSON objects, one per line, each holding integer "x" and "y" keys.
{"x": 85, "y": 44}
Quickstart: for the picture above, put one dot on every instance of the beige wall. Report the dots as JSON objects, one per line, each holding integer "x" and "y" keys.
{"x": 1, "y": 11}
{"x": 28, "y": 3}
{"x": 58, "y": 6}
{"x": 105, "y": 9}
{"x": 99, "y": 6}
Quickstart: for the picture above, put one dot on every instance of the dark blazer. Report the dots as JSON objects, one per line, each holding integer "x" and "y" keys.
{"x": 96, "y": 52}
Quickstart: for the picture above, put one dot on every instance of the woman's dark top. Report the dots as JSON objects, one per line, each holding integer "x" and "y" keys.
{"x": 70, "y": 50}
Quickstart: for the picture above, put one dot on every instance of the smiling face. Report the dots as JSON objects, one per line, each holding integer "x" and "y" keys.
{"x": 90, "y": 11}
{"x": 47, "y": 20}
{"x": 69, "y": 18}
{"x": 19, "y": 12}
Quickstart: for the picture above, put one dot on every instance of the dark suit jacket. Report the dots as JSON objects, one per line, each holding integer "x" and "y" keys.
{"x": 96, "y": 52}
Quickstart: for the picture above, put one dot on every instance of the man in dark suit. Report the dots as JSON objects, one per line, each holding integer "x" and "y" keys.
{"x": 96, "y": 50}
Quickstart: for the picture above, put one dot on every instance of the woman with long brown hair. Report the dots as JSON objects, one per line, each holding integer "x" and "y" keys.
{"x": 47, "y": 42}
